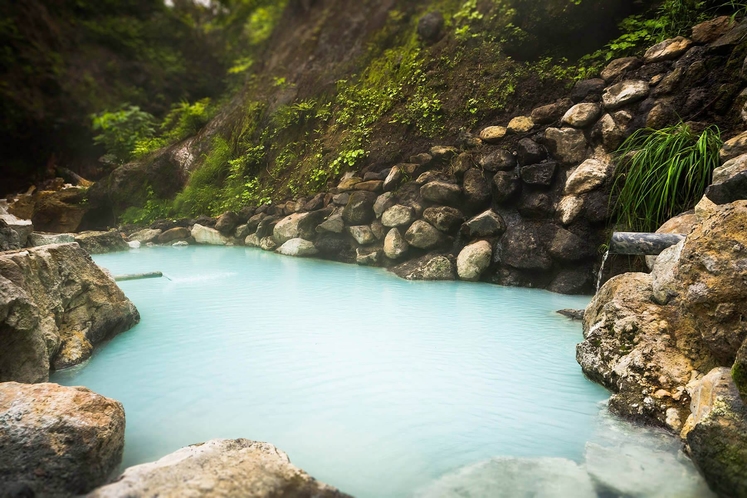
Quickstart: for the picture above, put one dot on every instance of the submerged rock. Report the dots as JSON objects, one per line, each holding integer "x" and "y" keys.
{"x": 55, "y": 305}
{"x": 428, "y": 267}
{"x": 58, "y": 441}
{"x": 514, "y": 477}
{"x": 218, "y": 468}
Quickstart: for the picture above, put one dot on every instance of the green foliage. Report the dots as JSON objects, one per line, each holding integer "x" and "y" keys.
{"x": 120, "y": 131}
{"x": 154, "y": 209}
{"x": 185, "y": 119}
{"x": 663, "y": 173}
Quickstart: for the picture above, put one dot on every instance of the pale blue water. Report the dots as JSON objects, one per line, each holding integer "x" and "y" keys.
{"x": 370, "y": 383}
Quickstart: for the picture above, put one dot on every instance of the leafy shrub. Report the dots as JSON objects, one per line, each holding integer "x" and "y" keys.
{"x": 185, "y": 119}
{"x": 120, "y": 131}
{"x": 663, "y": 173}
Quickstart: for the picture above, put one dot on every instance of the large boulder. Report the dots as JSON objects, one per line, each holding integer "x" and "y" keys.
{"x": 55, "y": 305}
{"x": 397, "y": 216}
{"x": 423, "y": 235}
{"x": 440, "y": 192}
{"x": 174, "y": 234}
{"x": 22, "y": 227}
{"x": 476, "y": 190}
{"x": 486, "y": 224}
{"x": 145, "y": 236}
{"x": 208, "y": 236}
{"x": 359, "y": 208}
{"x": 444, "y": 218}
{"x": 298, "y": 225}
{"x": 298, "y": 248}
{"x": 567, "y": 144}
{"x": 716, "y": 433}
{"x": 473, "y": 260}
{"x": 227, "y": 222}
{"x": 217, "y": 468}
{"x": 57, "y": 441}
{"x": 624, "y": 93}
{"x": 395, "y": 245}
{"x": 523, "y": 248}
{"x": 101, "y": 242}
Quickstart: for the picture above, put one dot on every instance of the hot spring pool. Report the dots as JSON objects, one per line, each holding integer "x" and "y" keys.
{"x": 373, "y": 384}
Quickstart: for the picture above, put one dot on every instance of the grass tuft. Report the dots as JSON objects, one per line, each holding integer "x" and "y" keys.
{"x": 662, "y": 173}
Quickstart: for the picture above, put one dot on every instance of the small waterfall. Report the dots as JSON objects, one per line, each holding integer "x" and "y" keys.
{"x": 601, "y": 269}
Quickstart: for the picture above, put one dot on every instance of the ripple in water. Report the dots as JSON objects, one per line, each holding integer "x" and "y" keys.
{"x": 376, "y": 385}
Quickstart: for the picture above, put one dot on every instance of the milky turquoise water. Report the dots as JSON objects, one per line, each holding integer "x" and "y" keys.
{"x": 370, "y": 383}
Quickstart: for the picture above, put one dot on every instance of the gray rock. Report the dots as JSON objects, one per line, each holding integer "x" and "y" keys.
{"x": 368, "y": 256}
{"x": 58, "y": 441}
{"x": 536, "y": 205}
{"x": 624, "y": 93}
{"x": 718, "y": 439}
{"x": 208, "y": 236}
{"x": 359, "y": 209}
{"x": 582, "y": 115}
{"x": 430, "y": 26}
{"x": 506, "y": 477}
{"x": 378, "y": 229}
{"x": 734, "y": 147}
{"x": 101, "y": 242}
{"x": 569, "y": 208}
{"x": 393, "y": 178}
{"x": 523, "y": 249}
{"x": 441, "y": 153}
{"x": 486, "y": 224}
{"x": 428, "y": 267}
{"x": 590, "y": 175}
{"x": 9, "y": 239}
{"x": 476, "y": 190}
{"x": 298, "y": 247}
{"x": 497, "y": 160}
{"x": 730, "y": 168}
{"x": 569, "y": 247}
{"x": 530, "y": 152}
{"x": 395, "y": 245}
{"x": 333, "y": 224}
{"x": 341, "y": 199}
{"x": 184, "y": 243}
{"x": 218, "y": 468}
{"x": 143, "y": 236}
{"x": 572, "y": 281}
{"x": 619, "y": 67}
{"x": 423, "y": 235}
{"x": 298, "y": 225}
{"x": 268, "y": 244}
{"x": 22, "y": 227}
{"x": 667, "y": 50}
{"x": 473, "y": 260}
{"x": 568, "y": 145}
{"x": 493, "y": 134}
{"x": 362, "y": 234}
{"x": 591, "y": 88}
{"x": 506, "y": 186}
{"x": 441, "y": 192}
{"x": 550, "y": 113}
{"x": 661, "y": 115}
{"x": 227, "y": 223}
{"x": 173, "y": 234}
{"x": 728, "y": 191}
{"x": 444, "y": 218}
{"x": 541, "y": 174}
{"x": 383, "y": 202}
{"x": 397, "y": 216}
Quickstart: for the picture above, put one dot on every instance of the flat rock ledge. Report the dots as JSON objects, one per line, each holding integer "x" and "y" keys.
{"x": 218, "y": 468}
{"x": 55, "y": 305}
{"x": 57, "y": 441}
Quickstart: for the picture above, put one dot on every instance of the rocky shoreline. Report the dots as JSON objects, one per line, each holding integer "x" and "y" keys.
{"x": 524, "y": 204}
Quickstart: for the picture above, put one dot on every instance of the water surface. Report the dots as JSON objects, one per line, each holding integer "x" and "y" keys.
{"x": 373, "y": 384}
